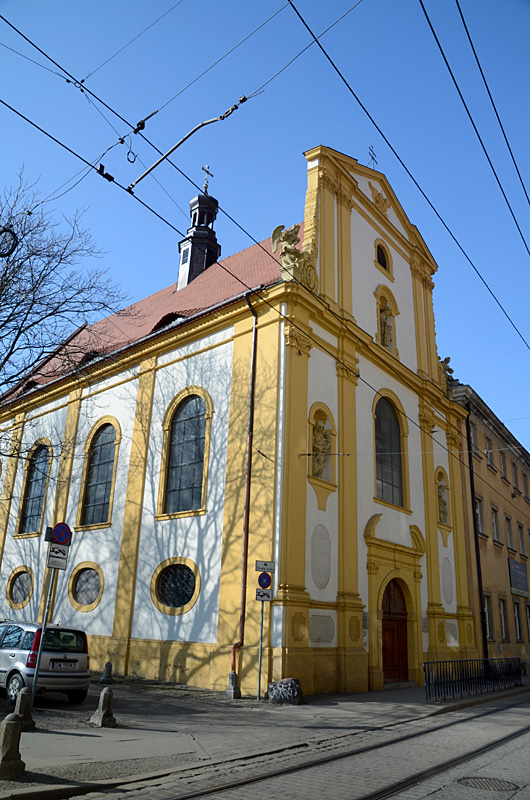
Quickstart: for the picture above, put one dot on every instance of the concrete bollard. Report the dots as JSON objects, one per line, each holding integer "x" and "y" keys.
{"x": 23, "y": 709}
{"x": 103, "y": 717}
{"x": 107, "y": 674}
{"x": 11, "y": 765}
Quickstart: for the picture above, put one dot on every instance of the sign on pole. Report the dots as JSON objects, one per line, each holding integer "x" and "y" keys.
{"x": 265, "y": 566}
{"x": 265, "y": 595}
{"x": 57, "y": 556}
{"x": 61, "y": 534}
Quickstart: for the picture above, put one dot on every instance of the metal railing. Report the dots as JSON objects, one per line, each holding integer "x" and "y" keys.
{"x": 449, "y": 679}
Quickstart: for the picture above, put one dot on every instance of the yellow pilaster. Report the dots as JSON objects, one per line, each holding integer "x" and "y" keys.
{"x": 435, "y": 610}
{"x": 432, "y": 353}
{"x": 132, "y": 517}
{"x": 62, "y": 491}
{"x": 345, "y": 298}
{"x": 327, "y": 247}
{"x": 419, "y": 317}
{"x": 466, "y": 623}
{"x": 9, "y": 479}
{"x": 352, "y": 666}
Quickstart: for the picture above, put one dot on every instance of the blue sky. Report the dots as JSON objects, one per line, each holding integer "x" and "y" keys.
{"x": 385, "y": 50}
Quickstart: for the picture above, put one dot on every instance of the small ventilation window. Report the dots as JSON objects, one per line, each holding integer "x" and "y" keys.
{"x": 185, "y": 255}
{"x": 381, "y": 257}
{"x": 167, "y": 319}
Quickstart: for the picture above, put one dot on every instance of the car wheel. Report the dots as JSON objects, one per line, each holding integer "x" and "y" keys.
{"x": 14, "y": 685}
{"x": 77, "y": 696}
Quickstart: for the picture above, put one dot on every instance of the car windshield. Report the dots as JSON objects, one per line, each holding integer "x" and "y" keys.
{"x": 63, "y": 641}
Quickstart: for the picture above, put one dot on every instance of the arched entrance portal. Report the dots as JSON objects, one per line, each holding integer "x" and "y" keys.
{"x": 395, "y": 660}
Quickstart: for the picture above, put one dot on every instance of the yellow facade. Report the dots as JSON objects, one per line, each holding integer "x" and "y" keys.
{"x": 337, "y": 544}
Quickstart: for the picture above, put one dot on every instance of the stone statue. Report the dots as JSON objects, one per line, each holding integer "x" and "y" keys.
{"x": 447, "y": 373}
{"x": 288, "y": 239}
{"x": 443, "y": 511}
{"x": 386, "y": 322}
{"x": 321, "y": 448}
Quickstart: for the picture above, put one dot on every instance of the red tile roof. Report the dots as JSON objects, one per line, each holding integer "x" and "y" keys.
{"x": 220, "y": 283}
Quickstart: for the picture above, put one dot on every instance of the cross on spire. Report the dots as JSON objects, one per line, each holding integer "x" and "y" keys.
{"x": 373, "y": 159}
{"x": 206, "y": 176}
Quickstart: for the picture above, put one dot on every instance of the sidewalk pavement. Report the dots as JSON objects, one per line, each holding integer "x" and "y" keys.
{"x": 162, "y": 728}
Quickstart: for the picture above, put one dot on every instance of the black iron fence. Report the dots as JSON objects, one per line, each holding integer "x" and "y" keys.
{"x": 448, "y": 679}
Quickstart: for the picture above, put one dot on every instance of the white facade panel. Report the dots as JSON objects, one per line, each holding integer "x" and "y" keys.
{"x": 198, "y": 538}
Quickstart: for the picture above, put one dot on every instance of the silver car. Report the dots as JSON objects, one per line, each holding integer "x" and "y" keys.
{"x": 64, "y": 665}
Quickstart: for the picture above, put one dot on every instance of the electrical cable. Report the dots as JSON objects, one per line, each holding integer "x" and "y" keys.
{"x": 492, "y": 102}
{"x": 257, "y": 293}
{"x": 468, "y": 112}
{"x": 132, "y": 40}
{"x": 411, "y": 176}
{"x": 229, "y": 216}
{"x": 229, "y": 52}
{"x": 53, "y": 72}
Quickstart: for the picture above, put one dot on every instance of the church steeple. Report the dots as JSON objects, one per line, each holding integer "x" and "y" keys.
{"x": 200, "y": 249}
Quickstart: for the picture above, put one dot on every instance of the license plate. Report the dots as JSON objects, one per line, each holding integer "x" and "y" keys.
{"x": 63, "y": 665}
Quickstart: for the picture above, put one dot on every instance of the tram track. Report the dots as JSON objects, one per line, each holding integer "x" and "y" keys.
{"x": 211, "y": 779}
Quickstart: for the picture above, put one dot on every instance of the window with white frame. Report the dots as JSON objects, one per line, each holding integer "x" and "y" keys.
{"x": 489, "y": 453}
{"x": 515, "y": 473}
{"x": 509, "y": 532}
{"x": 504, "y": 469}
{"x": 503, "y": 617}
{"x": 517, "y": 620}
{"x": 495, "y": 524}
{"x": 473, "y": 434}
{"x": 479, "y": 514}
{"x": 522, "y": 539}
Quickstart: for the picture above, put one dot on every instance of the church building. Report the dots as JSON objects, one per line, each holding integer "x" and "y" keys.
{"x": 286, "y": 404}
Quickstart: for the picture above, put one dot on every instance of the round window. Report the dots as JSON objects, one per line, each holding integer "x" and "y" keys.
{"x": 87, "y": 587}
{"x": 175, "y": 586}
{"x": 21, "y": 588}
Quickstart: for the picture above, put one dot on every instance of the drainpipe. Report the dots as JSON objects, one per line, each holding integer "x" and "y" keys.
{"x": 477, "y": 540}
{"x": 234, "y": 691}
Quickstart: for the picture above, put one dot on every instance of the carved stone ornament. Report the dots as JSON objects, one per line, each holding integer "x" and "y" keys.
{"x": 295, "y": 338}
{"x": 354, "y": 629}
{"x": 454, "y": 440}
{"x": 296, "y": 265}
{"x": 347, "y": 370}
{"x": 427, "y": 423}
{"x": 379, "y": 200}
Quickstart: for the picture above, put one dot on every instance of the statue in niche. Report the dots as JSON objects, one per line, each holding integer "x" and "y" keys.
{"x": 321, "y": 448}
{"x": 443, "y": 508}
{"x": 386, "y": 325}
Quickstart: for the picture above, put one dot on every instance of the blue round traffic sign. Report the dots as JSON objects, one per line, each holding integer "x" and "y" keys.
{"x": 61, "y": 534}
{"x": 264, "y": 580}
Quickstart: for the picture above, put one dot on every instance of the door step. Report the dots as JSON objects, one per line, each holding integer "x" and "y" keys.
{"x": 399, "y": 685}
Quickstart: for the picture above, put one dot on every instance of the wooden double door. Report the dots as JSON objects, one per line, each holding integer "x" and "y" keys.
{"x": 395, "y": 652}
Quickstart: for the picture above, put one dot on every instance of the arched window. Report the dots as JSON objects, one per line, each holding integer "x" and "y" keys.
{"x": 99, "y": 474}
{"x": 381, "y": 257}
{"x": 35, "y": 490}
{"x": 388, "y": 458}
{"x": 184, "y": 480}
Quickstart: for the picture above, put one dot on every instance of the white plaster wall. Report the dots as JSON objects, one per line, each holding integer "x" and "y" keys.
{"x": 394, "y": 525}
{"x": 101, "y": 546}
{"x": 365, "y": 280}
{"x": 198, "y": 538}
{"x": 31, "y": 551}
{"x": 391, "y": 214}
{"x": 322, "y": 387}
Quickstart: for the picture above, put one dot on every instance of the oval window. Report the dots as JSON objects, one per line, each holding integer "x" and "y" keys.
{"x": 87, "y": 586}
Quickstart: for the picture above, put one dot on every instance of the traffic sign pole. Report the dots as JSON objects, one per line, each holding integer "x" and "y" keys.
{"x": 43, "y": 631}
{"x": 260, "y": 650}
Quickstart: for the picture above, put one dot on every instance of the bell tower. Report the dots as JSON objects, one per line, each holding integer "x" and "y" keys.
{"x": 200, "y": 249}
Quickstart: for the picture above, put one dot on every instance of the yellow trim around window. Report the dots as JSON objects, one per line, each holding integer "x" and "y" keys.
{"x": 389, "y": 271}
{"x": 71, "y": 585}
{"x": 154, "y": 585}
{"x": 164, "y": 461}
{"x": 106, "y": 420}
{"x": 47, "y": 443}
{"x": 9, "y": 586}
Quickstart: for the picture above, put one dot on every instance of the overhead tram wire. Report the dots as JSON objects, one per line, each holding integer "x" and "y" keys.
{"x": 131, "y": 41}
{"x": 411, "y": 176}
{"x": 468, "y": 112}
{"x": 254, "y": 290}
{"x": 218, "y": 61}
{"x": 192, "y": 182}
{"x": 492, "y": 102}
